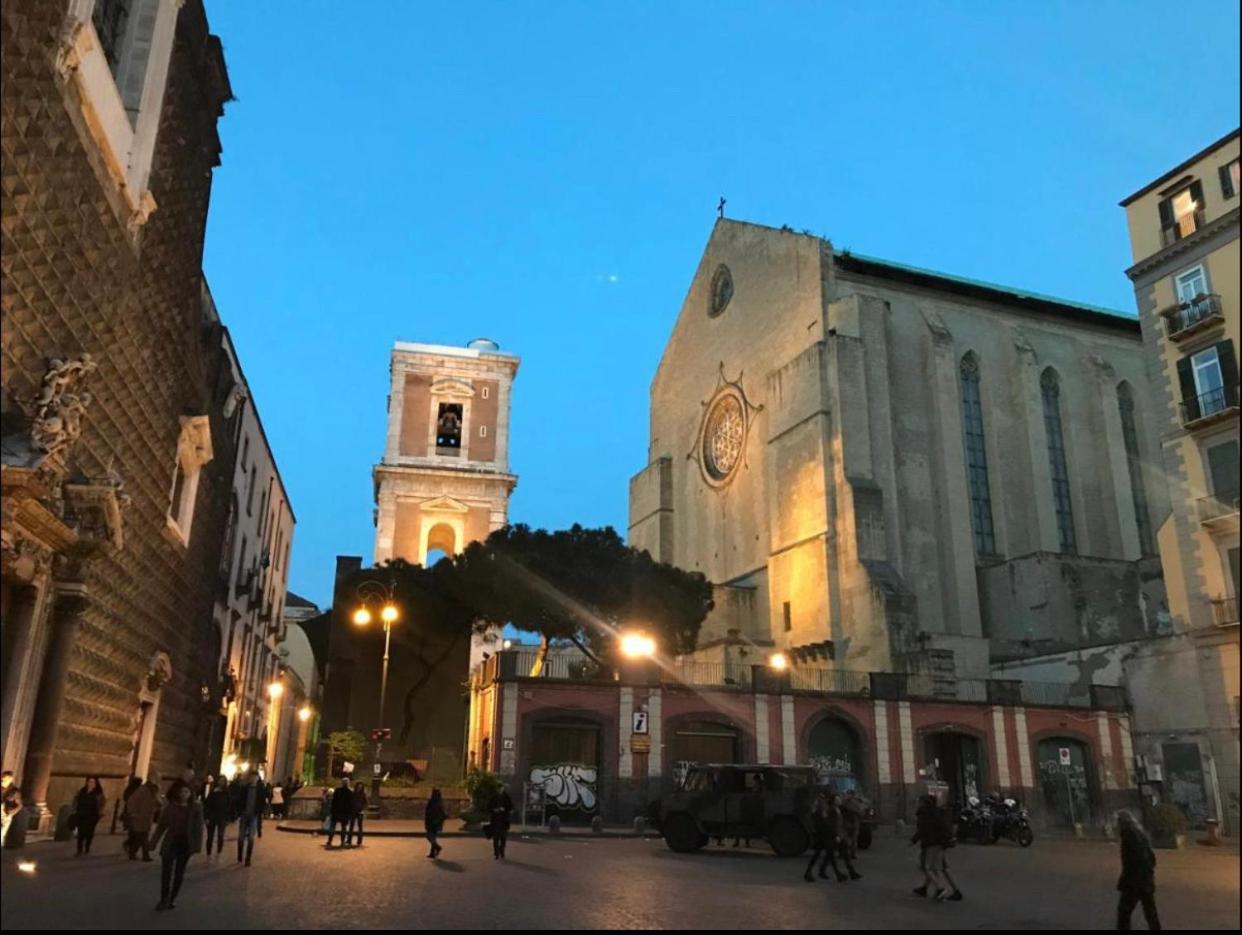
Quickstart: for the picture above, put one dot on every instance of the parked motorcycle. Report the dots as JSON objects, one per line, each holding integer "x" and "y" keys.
{"x": 1010, "y": 820}
{"x": 975, "y": 822}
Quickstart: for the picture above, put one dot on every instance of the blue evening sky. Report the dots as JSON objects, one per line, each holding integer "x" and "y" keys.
{"x": 546, "y": 174}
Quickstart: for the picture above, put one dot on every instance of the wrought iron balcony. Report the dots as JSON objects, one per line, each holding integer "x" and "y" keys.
{"x": 1220, "y": 506}
{"x": 1187, "y": 318}
{"x": 1225, "y": 611}
{"x": 1209, "y": 407}
{"x": 1184, "y": 226}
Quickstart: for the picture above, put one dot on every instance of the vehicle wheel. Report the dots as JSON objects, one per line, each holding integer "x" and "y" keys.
{"x": 864, "y": 837}
{"x": 1026, "y": 837}
{"x": 681, "y": 834}
{"x": 788, "y": 838}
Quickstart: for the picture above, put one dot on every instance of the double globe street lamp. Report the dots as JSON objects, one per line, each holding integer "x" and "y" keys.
{"x": 383, "y": 598}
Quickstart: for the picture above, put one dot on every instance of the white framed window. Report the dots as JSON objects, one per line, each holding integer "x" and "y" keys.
{"x": 482, "y": 431}
{"x": 485, "y": 392}
{"x": 113, "y": 63}
{"x": 1229, "y": 180}
{"x": 1191, "y": 283}
{"x": 193, "y": 451}
{"x": 1209, "y": 381}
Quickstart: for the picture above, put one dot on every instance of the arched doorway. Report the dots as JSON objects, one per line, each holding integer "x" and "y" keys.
{"x": 1065, "y": 786}
{"x": 702, "y": 741}
{"x": 565, "y": 754}
{"x": 834, "y": 749}
{"x": 953, "y": 762}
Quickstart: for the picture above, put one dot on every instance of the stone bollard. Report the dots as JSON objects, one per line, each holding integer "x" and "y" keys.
{"x": 554, "y": 824}
{"x": 640, "y": 825}
{"x": 597, "y": 825}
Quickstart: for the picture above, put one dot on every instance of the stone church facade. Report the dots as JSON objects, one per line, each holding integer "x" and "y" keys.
{"x": 883, "y": 468}
{"x": 116, "y": 446}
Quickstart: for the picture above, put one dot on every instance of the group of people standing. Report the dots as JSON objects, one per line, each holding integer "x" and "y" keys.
{"x": 345, "y": 808}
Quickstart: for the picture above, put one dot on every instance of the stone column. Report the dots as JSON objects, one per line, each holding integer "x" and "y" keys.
{"x": 70, "y": 602}
{"x": 20, "y": 618}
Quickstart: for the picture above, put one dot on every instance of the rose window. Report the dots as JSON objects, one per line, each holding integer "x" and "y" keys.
{"x": 723, "y": 437}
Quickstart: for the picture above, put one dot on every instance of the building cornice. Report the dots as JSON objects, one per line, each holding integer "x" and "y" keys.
{"x": 1184, "y": 245}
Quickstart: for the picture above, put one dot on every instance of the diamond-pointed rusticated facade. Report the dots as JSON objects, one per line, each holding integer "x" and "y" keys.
{"x": 117, "y": 455}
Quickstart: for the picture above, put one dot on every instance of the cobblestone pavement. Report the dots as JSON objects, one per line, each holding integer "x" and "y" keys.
{"x": 577, "y": 883}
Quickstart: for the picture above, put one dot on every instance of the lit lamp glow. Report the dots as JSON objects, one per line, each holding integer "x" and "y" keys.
{"x": 304, "y": 713}
{"x": 507, "y": 644}
{"x": 228, "y": 769}
{"x": 275, "y": 690}
{"x": 778, "y": 661}
{"x": 389, "y": 613}
{"x": 362, "y": 616}
{"x": 637, "y": 645}
{"x": 27, "y": 866}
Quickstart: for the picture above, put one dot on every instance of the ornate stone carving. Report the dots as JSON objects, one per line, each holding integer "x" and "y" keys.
{"x": 94, "y": 508}
{"x": 58, "y": 409}
{"x": 140, "y": 214}
{"x": 159, "y": 673}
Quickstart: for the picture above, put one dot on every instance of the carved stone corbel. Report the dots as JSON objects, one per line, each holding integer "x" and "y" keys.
{"x": 59, "y": 407}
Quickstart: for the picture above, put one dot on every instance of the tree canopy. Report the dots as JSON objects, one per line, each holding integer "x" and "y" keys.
{"x": 577, "y": 585}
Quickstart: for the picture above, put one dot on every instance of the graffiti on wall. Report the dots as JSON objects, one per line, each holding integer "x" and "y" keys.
{"x": 680, "y": 769}
{"x": 569, "y": 785}
{"x": 830, "y": 766}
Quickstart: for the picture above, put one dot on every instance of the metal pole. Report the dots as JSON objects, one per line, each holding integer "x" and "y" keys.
{"x": 384, "y": 677}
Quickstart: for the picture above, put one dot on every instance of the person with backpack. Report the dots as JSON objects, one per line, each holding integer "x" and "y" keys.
{"x": 140, "y": 812}
{"x": 1137, "y": 884}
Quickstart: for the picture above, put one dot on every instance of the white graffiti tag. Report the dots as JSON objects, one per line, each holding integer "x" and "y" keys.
{"x": 568, "y": 785}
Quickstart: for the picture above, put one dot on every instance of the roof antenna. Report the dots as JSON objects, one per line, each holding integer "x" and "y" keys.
{"x": 720, "y": 207}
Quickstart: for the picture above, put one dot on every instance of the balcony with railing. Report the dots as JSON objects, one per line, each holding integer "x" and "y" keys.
{"x": 893, "y": 686}
{"x": 1220, "y": 509}
{"x": 1225, "y": 611}
{"x": 1210, "y": 407}
{"x": 1184, "y": 226}
{"x": 1187, "y": 318}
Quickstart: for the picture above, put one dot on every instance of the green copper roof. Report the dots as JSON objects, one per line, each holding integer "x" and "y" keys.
{"x": 980, "y": 284}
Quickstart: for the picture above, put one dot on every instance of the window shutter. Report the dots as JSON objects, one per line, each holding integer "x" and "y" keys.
{"x": 1166, "y": 214}
{"x": 1196, "y": 192}
{"x": 1186, "y": 377}
{"x": 1228, "y": 371}
{"x": 1226, "y": 181}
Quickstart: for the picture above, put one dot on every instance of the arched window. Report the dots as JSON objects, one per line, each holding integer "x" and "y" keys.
{"x": 1050, "y": 386}
{"x": 976, "y": 458}
{"x": 1125, "y": 402}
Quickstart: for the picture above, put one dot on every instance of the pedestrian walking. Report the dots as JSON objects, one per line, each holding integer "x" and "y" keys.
{"x": 325, "y": 811}
{"x": 502, "y": 818}
{"x": 179, "y": 835}
{"x": 933, "y": 835}
{"x": 1137, "y": 884}
{"x": 358, "y": 803}
{"x": 217, "y": 812}
{"x": 278, "y": 801}
{"x": 10, "y": 804}
{"x": 341, "y": 811}
{"x": 433, "y": 821}
{"x": 247, "y": 802}
{"x": 827, "y": 843}
{"x": 88, "y": 808}
{"x": 851, "y": 821}
{"x": 140, "y": 811}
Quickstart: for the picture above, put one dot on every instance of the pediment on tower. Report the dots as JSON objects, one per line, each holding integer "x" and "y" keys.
{"x": 443, "y": 505}
{"x": 452, "y": 387}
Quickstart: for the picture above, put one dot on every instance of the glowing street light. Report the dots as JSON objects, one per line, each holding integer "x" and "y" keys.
{"x": 362, "y": 616}
{"x": 304, "y": 713}
{"x": 507, "y": 644}
{"x": 778, "y": 661}
{"x": 27, "y": 866}
{"x": 636, "y": 645}
{"x": 389, "y": 613}
{"x": 385, "y": 597}
{"x": 275, "y": 690}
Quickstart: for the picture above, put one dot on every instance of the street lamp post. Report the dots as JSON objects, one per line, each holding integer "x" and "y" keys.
{"x": 384, "y": 596}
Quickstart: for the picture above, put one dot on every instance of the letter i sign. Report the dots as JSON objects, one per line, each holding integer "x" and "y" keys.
{"x": 640, "y": 722}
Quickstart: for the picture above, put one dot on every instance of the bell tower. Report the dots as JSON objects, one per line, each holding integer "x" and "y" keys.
{"x": 444, "y": 480}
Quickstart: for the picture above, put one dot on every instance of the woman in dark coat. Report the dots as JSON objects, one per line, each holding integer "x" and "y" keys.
{"x": 1138, "y": 875}
{"x": 88, "y": 808}
{"x": 179, "y": 835}
{"x": 433, "y": 820}
{"x": 217, "y": 814}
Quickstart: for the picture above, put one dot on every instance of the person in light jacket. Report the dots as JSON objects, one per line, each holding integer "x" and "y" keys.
{"x": 140, "y": 812}
{"x": 179, "y": 835}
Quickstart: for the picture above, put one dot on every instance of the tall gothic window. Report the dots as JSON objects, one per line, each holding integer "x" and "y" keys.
{"x": 1125, "y": 402}
{"x": 1050, "y": 386}
{"x": 976, "y": 458}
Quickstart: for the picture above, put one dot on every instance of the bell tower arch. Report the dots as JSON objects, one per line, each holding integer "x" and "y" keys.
{"x": 444, "y": 479}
